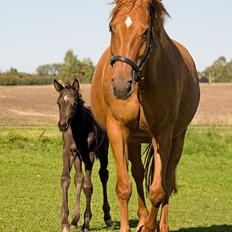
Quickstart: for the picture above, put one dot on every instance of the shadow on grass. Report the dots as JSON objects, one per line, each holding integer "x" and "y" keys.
{"x": 133, "y": 223}
{"x": 116, "y": 226}
{"x": 216, "y": 228}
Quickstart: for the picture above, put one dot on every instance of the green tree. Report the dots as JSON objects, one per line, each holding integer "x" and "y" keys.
{"x": 49, "y": 69}
{"x": 86, "y": 70}
{"x": 219, "y": 71}
{"x": 13, "y": 70}
{"x": 71, "y": 67}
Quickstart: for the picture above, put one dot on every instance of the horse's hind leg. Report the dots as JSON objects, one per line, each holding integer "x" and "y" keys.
{"x": 104, "y": 175}
{"x": 137, "y": 171}
{"x": 158, "y": 190}
{"x": 78, "y": 181}
{"x": 65, "y": 182}
{"x": 88, "y": 190}
{"x": 177, "y": 147}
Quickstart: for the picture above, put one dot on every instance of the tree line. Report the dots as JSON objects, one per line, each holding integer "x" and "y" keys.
{"x": 72, "y": 68}
{"x": 82, "y": 69}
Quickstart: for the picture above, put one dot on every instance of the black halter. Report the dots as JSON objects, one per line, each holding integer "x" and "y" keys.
{"x": 137, "y": 69}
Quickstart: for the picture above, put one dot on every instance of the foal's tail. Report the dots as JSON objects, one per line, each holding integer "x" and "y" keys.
{"x": 149, "y": 166}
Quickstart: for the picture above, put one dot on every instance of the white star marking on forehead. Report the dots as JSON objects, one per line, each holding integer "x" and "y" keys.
{"x": 128, "y": 21}
{"x": 66, "y": 98}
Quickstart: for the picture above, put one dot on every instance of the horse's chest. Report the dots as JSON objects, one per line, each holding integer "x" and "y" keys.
{"x": 126, "y": 113}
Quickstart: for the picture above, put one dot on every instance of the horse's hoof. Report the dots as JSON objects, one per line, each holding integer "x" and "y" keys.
{"x": 143, "y": 229}
{"x": 109, "y": 222}
{"x": 139, "y": 228}
{"x": 73, "y": 227}
{"x": 65, "y": 228}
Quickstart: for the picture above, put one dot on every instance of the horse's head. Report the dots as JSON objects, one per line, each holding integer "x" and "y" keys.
{"x": 132, "y": 38}
{"x": 67, "y": 101}
{"x": 130, "y": 41}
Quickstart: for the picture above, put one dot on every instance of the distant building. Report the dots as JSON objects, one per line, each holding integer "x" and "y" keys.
{"x": 203, "y": 80}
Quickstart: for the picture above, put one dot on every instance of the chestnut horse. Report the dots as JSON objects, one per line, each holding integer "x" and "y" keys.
{"x": 144, "y": 90}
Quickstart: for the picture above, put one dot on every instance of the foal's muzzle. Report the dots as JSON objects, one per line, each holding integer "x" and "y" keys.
{"x": 63, "y": 126}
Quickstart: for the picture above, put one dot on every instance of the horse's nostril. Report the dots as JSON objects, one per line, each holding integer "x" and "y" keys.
{"x": 129, "y": 86}
{"x": 63, "y": 126}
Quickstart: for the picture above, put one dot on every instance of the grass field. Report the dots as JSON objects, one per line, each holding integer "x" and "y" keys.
{"x": 30, "y": 196}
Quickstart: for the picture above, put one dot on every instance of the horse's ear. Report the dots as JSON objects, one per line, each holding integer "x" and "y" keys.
{"x": 76, "y": 85}
{"x": 58, "y": 86}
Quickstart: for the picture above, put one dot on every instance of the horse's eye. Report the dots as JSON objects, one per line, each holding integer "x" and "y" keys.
{"x": 144, "y": 35}
{"x": 75, "y": 103}
{"x": 110, "y": 29}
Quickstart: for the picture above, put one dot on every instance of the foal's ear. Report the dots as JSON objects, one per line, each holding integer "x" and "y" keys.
{"x": 58, "y": 86}
{"x": 76, "y": 85}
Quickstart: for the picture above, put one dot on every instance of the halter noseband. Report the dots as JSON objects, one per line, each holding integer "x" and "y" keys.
{"x": 137, "y": 69}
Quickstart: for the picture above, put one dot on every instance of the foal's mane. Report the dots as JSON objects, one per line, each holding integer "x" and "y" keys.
{"x": 158, "y": 12}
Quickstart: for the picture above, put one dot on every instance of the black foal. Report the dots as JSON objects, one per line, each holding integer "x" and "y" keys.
{"x": 82, "y": 140}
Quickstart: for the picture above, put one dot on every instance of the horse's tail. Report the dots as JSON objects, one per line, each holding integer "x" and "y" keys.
{"x": 149, "y": 166}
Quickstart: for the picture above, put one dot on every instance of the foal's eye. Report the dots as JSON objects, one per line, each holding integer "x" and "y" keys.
{"x": 110, "y": 28}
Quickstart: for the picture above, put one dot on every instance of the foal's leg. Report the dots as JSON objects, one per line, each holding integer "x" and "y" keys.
{"x": 104, "y": 175}
{"x": 78, "y": 181}
{"x": 137, "y": 170}
{"x": 88, "y": 190}
{"x": 177, "y": 147}
{"x": 124, "y": 185}
{"x": 65, "y": 182}
{"x": 157, "y": 190}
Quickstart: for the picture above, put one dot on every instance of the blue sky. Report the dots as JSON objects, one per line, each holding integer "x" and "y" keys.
{"x": 39, "y": 32}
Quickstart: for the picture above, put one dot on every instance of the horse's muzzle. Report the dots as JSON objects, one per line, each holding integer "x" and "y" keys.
{"x": 63, "y": 126}
{"x": 122, "y": 91}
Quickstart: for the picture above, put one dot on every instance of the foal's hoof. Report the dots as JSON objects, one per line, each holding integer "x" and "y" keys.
{"x": 65, "y": 228}
{"x": 109, "y": 222}
{"x": 85, "y": 229}
{"x": 73, "y": 227}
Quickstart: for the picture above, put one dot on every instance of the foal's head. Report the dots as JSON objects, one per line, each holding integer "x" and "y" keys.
{"x": 132, "y": 27}
{"x": 68, "y": 101}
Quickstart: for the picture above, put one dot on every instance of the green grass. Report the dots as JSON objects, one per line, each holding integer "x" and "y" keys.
{"x": 30, "y": 196}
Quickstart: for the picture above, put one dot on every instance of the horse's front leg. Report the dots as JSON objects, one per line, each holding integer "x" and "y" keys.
{"x": 88, "y": 189}
{"x": 137, "y": 171}
{"x": 124, "y": 186}
{"x": 78, "y": 181}
{"x": 65, "y": 182}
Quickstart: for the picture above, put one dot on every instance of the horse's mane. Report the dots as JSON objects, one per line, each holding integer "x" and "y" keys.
{"x": 158, "y": 11}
